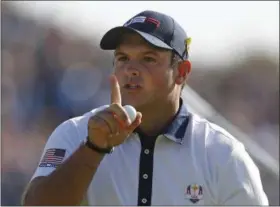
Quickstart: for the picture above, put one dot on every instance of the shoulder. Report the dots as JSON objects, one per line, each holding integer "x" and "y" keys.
{"x": 218, "y": 143}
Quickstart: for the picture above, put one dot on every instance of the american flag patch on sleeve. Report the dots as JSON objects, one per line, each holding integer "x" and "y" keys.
{"x": 52, "y": 158}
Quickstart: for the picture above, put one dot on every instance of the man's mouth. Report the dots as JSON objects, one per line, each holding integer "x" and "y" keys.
{"x": 132, "y": 86}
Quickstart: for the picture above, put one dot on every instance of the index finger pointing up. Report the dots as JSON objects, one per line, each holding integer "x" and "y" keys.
{"x": 115, "y": 90}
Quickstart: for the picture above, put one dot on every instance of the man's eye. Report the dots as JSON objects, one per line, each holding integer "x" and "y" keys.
{"x": 122, "y": 58}
{"x": 149, "y": 59}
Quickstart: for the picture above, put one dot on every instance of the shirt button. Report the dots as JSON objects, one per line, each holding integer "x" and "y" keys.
{"x": 145, "y": 176}
{"x": 146, "y": 151}
{"x": 144, "y": 200}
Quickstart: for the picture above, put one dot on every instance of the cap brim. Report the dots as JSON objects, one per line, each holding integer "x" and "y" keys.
{"x": 112, "y": 38}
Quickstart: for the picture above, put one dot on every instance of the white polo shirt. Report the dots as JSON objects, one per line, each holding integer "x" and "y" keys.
{"x": 194, "y": 162}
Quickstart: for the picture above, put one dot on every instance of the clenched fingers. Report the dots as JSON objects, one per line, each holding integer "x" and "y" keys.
{"x": 119, "y": 138}
{"x": 115, "y": 119}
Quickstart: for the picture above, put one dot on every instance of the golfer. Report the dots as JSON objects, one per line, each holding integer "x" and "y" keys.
{"x": 165, "y": 156}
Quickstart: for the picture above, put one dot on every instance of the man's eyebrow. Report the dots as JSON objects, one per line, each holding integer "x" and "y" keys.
{"x": 151, "y": 52}
{"x": 116, "y": 53}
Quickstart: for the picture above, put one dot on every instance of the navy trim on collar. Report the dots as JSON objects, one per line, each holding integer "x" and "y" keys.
{"x": 174, "y": 131}
{"x": 177, "y": 128}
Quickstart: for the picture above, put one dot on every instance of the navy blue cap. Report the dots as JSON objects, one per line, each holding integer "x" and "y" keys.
{"x": 156, "y": 28}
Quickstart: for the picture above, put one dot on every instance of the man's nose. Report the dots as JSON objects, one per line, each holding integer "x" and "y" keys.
{"x": 132, "y": 70}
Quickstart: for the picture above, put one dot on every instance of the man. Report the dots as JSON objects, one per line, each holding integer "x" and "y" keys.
{"x": 166, "y": 156}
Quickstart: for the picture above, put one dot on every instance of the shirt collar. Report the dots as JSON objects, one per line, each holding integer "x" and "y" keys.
{"x": 177, "y": 128}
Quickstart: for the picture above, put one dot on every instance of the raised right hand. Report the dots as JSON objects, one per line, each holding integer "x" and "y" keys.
{"x": 111, "y": 126}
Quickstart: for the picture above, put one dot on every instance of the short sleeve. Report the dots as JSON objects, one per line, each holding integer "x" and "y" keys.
{"x": 61, "y": 144}
{"x": 240, "y": 182}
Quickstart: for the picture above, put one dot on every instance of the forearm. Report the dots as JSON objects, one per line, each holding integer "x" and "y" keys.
{"x": 67, "y": 185}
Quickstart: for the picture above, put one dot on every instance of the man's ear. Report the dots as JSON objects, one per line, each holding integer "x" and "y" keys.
{"x": 184, "y": 68}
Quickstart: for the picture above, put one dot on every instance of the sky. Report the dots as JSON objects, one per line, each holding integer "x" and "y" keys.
{"x": 219, "y": 30}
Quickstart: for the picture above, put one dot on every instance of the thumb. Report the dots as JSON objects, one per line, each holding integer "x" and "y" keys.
{"x": 135, "y": 123}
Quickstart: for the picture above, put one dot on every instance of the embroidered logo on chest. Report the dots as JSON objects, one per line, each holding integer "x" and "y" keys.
{"x": 194, "y": 193}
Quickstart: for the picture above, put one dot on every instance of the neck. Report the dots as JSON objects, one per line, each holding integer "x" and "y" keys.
{"x": 156, "y": 117}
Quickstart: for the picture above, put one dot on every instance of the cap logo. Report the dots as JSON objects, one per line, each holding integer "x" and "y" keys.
{"x": 139, "y": 19}
{"x": 142, "y": 19}
{"x": 154, "y": 21}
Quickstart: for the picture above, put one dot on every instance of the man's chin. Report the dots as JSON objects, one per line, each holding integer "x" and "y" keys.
{"x": 137, "y": 104}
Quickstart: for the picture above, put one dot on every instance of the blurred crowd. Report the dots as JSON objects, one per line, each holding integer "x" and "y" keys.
{"x": 49, "y": 76}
